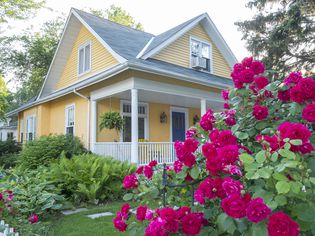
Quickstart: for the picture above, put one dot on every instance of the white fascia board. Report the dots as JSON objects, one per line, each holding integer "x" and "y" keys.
{"x": 119, "y": 58}
{"x": 56, "y": 52}
{"x": 145, "y": 48}
{"x": 173, "y": 38}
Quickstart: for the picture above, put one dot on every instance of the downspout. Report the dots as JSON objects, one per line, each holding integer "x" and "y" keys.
{"x": 88, "y": 117}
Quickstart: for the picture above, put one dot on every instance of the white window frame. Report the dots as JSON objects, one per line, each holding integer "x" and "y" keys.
{"x": 182, "y": 110}
{"x": 67, "y": 107}
{"x": 83, "y": 46}
{"x": 33, "y": 117}
{"x": 146, "y": 117}
{"x": 191, "y": 38}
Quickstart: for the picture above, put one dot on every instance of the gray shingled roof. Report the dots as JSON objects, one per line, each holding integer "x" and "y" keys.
{"x": 167, "y": 34}
{"x": 125, "y": 41}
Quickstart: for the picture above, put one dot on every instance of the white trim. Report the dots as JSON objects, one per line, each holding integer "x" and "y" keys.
{"x": 115, "y": 54}
{"x": 210, "y": 52}
{"x": 34, "y": 126}
{"x": 172, "y": 38}
{"x": 146, "y": 117}
{"x": 83, "y": 46}
{"x": 182, "y": 110}
{"x": 145, "y": 48}
{"x": 66, "y": 117}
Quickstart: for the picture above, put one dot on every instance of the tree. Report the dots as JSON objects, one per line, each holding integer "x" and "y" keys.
{"x": 28, "y": 58}
{"x": 282, "y": 34}
{"x": 18, "y": 9}
{"x": 3, "y": 97}
{"x": 118, "y": 15}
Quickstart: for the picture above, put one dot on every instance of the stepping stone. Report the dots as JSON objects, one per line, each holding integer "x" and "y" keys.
{"x": 70, "y": 212}
{"x": 94, "y": 216}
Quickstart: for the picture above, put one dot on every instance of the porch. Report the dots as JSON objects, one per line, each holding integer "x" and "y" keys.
{"x": 156, "y": 114}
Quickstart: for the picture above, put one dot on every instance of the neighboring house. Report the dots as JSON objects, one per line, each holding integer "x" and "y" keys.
{"x": 8, "y": 129}
{"x": 160, "y": 84}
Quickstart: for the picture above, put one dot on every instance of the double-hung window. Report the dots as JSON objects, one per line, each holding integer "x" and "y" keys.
{"x": 84, "y": 58}
{"x": 200, "y": 55}
{"x": 30, "y": 127}
{"x": 70, "y": 119}
{"x": 142, "y": 121}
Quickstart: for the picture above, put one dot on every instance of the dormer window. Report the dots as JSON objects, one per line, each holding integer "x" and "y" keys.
{"x": 84, "y": 58}
{"x": 200, "y": 55}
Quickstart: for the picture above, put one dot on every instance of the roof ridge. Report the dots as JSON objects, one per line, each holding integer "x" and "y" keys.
{"x": 125, "y": 26}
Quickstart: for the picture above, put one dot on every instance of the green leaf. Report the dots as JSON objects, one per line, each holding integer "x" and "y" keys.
{"x": 226, "y": 223}
{"x": 274, "y": 157}
{"x": 246, "y": 158}
{"x": 295, "y": 187}
{"x": 281, "y": 200}
{"x": 283, "y": 187}
{"x": 264, "y": 173}
{"x": 279, "y": 177}
{"x": 312, "y": 180}
{"x": 296, "y": 142}
{"x": 241, "y": 135}
{"x": 261, "y": 125}
{"x": 235, "y": 128}
{"x": 127, "y": 197}
{"x": 194, "y": 172}
{"x": 287, "y": 146}
{"x": 260, "y": 156}
{"x": 259, "y": 229}
{"x": 287, "y": 153}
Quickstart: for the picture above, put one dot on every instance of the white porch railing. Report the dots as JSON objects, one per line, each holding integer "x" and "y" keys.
{"x": 162, "y": 152}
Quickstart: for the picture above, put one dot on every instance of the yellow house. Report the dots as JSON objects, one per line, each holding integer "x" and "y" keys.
{"x": 160, "y": 84}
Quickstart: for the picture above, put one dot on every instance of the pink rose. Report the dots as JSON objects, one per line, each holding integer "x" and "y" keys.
{"x": 139, "y": 171}
{"x": 130, "y": 181}
{"x": 308, "y": 113}
{"x": 209, "y": 150}
{"x": 156, "y": 228}
{"x": 141, "y": 213}
{"x": 247, "y": 61}
{"x": 235, "y": 205}
{"x": 207, "y": 120}
{"x": 192, "y": 223}
{"x": 231, "y": 186}
{"x": 307, "y": 86}
{"x": 297, "y": 95}
{"x": 260, "y": 112}
{"x": 177, "y": 166}
{"x": 119, "y": 224}
{"x": 225, "y": 94}
{"x": 257, "y": 210}
{"x": 293, "y": 78}
{"x": 224, "y": 138}
{"x": 153, "y": 163}
{"x": 284, "y": 96}
{"x": 257, "y": 67}
{"x": 294, "y": 131}
{"x": 279, "y": 224}
{"x": 33, "y": 219}
{"x": 148, "y": 172}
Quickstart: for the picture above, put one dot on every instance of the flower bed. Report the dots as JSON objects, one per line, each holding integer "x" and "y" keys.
{"x": 255, "y": 167}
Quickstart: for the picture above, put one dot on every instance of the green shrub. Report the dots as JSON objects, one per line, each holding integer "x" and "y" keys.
{"x": 90, "y": 177}
{"x": 8, "y": 153}
{"x": 45, "y": 149}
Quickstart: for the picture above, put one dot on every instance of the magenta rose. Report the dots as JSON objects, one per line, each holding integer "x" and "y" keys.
{"x": 141, "y": 213}
{"x": 231, "y": 186}
{"x": 153, "y": 163}
{"x": 156, "y": 228}
{"x": 228, "y": 154}
{"x": 209, "y": 150}
{"x": 33, "y": 219}
{"x": 235, "y": 205}
{"x": 148, "y": 172}
{"x": 306, "y": 148}
{"x": 257, "y": 210}
{"x": 261, "y": 82}
{"x": 294, "y": 131}
{"x": 247, "y": 61}
{"x": 207, "y": 120}
{"x": 280, "y": 224}
{"x": 247, "y": 76}
{"x": 307, "y": 86}
{"x": 257, "y": 67}
{"x": 225, "y": 94}
{"x": 224, "y": 138}
{"x": 178, "y": 165}
{"x": 130, "y": 181}
{"x": 297, "y": 95}
{"x": 293, "y": 78}
{"x": 139, "y": 171}
{"x": 260, "y": 112}
{"x": 191, "y": 224}
{"x": 284, "y": 96}
{"x": 308, "y": 113}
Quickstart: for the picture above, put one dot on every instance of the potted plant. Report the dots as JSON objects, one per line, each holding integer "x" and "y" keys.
{"x": 111, "y": 120}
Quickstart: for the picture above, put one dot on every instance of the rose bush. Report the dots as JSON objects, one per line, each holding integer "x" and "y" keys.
{"x": 253, "y": 165}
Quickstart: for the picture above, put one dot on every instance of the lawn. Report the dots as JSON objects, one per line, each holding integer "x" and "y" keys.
{"x": 80, "y": 225}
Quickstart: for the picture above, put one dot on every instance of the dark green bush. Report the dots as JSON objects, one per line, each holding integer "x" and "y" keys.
{"x": 8, "y": 153}
{"x": 42, "y": 151}
{"x": 90, "y": 177}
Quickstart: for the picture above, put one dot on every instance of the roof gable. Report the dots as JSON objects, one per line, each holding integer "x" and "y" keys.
{"x": 165, "y": 39}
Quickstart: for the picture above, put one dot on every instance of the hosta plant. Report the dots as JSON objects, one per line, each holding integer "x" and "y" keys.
{"x": 250, "y": 167}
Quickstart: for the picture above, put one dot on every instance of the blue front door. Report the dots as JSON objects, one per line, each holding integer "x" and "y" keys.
{"x": 178, "y": 126}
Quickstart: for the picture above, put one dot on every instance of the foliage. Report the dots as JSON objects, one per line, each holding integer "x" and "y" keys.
{"x": 28, "y": 57}
{"x": 282, "y": 34}
{"x": 252, "y": 166}
{"x": 45, "y": 149}
{"x": 90, "y": 177}
{"x": 118, "y": 15}
{"x": 32, "y": 193}
{"x": 3, "y": 97}
{"x": 9, "y": 152}
{"x": 18, "y": 9}
{"x": 111, "y": 120}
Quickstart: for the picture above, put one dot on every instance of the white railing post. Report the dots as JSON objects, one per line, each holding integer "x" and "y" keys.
{"x": 134, "y": 126}
{"x": 203, "y": 106}
{"x": 93, "y": 125}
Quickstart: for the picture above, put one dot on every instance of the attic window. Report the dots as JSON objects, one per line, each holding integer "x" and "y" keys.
{"x": 84, "y": 58}
{"x": 200, "y": 55}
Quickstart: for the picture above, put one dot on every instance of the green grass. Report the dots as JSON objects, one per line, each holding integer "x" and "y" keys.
{"x": 80, "y": 225}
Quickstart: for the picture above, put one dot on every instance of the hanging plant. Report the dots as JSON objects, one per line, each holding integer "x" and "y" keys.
{"x": 111, "y": 120}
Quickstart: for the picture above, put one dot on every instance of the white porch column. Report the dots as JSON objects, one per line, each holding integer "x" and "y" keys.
{"x": 134, "y": 126}
{"x": 203, "y": 106}
{"x": 93, "y": 124}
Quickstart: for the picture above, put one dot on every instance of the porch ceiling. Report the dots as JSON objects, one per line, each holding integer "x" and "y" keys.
{"x": 174, "y": 100}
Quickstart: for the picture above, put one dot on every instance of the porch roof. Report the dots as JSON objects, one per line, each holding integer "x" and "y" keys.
{"x": 149, "y": 65}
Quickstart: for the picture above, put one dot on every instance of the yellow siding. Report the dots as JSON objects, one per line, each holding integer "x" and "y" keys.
{"x": 159, "y": 132}
{"x": 105, "y": 106}
{"x": 178, "y": 52}
{"x": 100, "y": 59}
{"x": 192, "y": 113}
